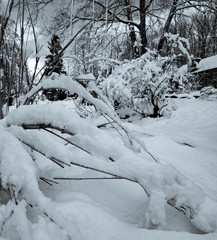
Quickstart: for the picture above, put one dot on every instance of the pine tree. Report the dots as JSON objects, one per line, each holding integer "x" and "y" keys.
{"x": 54, "y": 63}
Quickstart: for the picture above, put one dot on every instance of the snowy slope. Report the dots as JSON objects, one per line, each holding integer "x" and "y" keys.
{"x": 114, "y": 209}
{"x": 189, "y": 141}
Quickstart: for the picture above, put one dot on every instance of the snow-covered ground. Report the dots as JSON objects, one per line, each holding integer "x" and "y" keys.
{"x": 115, "y": 209}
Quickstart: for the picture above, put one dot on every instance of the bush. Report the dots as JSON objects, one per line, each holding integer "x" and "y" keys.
{"x": 141, "y": 85}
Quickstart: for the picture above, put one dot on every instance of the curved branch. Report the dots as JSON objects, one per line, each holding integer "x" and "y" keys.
{"x": 118, "y": 18}
{"x": 62, "y": 130}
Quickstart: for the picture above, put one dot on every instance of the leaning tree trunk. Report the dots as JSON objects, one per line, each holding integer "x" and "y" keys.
{"x": 167, "y": 25}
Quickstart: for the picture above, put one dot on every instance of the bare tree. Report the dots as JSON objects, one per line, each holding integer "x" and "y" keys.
{"x": 178, "y": 6}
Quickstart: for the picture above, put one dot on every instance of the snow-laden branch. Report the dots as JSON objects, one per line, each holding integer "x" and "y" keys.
{"x": 162, "y": 183}
{"x": 66, "y": 83}
{"x": 87, "y": 137}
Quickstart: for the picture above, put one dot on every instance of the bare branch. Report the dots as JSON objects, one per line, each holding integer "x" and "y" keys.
{"x": 80, "y": 179}
{"x": 118, "y": 18}
{"x": 53, "y": 159}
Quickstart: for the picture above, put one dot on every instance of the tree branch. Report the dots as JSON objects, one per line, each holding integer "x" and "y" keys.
{"x": 118, "y": 18}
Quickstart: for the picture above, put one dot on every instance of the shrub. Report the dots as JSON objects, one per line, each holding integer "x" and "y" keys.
{"x": 141, "y": 85}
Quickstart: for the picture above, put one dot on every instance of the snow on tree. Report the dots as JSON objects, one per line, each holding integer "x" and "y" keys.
{"x": 140, "y": 85}
{"x": 71, "y": 140}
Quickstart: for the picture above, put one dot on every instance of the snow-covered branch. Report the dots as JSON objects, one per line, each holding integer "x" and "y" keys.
{"x": 163, "y": 183}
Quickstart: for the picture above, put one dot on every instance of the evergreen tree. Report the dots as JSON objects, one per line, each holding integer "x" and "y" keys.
{"x": 54, "y": 63}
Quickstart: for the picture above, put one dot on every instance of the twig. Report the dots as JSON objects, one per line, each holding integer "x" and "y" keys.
{"x": 111, "y": 122}
{"x": 102, "y": 171}
{"x": 155, "y": 159}
{"x": 48, "y": 181}
{"x": 43, "y": 126}
{"x": 130, "y": 140}
{"x": 57, "y": 135}
{"x": 58, "y": 162}
{"x": 111, "y": 174}
{"x": 80, "y": 179}
{"x": 12, "y": 193}
{"x": 104, "y": 124}
{"x": 44, "y": 180}
{"x": 6, "y": 219}
{"x": 51, "y": 219}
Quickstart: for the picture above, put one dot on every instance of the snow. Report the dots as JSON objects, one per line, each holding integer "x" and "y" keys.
{"x": 11, "y": 169}
{"x": 155, "y": 216}
{"x": 161, "y": 181}
{"x": 87, "y": 77}
{"x": 178, "y": 42}
{"x": 18, "y": 172}
{"x": 190, "y": 137}
{"x": 185, "y": 145}
{"x": 183, "y": 70}
{"x": 207, "y": 63}
{"x": 66, "y": 83}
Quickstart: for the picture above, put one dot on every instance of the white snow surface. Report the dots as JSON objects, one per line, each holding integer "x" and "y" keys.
{"x": 19, "y": 173}
{"x": 185, "y": 144}
{"x": 207, "y": 63}
{"x": 87, "y": 77}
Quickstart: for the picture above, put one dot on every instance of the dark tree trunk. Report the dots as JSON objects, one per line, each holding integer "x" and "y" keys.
{"x": 203, "y": 44}
{"x": 132, "y": 34}
{"x": 133, "y": 41}
{"x": 167, "y": 25}
{"x": 155, "y": 112}
{"x": 1, "y": 105}
{"x": 142, "y": 26}
{"x": 214, "y": 47}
